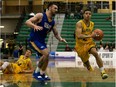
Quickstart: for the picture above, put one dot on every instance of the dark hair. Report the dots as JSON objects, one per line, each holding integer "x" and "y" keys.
{"x": 86, "y": 10}
{"x": 50, "y": 4}
{"x": 29, "y": 49}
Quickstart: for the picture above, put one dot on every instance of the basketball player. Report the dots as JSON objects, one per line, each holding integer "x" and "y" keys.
{"x": 42, "y": 24}
{"x": 85, "y": 44}
{"x": 23, "y": 65}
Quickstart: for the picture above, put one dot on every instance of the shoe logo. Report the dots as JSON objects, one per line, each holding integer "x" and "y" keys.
{"x": 39, "y": 77}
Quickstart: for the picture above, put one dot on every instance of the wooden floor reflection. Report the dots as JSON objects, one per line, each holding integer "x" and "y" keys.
{"x": 60, "y": 77}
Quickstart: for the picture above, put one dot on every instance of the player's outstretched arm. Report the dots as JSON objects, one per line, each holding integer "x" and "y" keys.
{"x": 57, "y": 35}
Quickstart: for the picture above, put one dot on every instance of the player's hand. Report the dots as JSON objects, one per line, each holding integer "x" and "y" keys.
{"x": 93, "y": 35}
{"x": 36, "y": 28}
{"x": 63, "y": 40}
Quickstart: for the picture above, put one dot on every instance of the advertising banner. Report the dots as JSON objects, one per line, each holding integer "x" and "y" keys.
{"x": 65, "y": 59}
{"x": 71, "y": 59}
{"x": 108, "y": 58}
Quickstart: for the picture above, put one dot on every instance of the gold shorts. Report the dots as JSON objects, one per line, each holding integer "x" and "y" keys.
{"x": 83, "y": 50}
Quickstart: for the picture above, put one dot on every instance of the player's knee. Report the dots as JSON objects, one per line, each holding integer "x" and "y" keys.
{"x": 46, "y": 55}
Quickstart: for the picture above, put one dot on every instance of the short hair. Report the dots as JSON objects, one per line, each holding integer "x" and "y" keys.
{"x": 86, "y": 10}
{"x": 29, "y": 49}
{"x": 50, "y": 4}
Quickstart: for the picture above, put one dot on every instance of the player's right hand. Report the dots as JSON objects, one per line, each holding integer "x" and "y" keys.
{"x": 93, "y": 35}
{"x": 36, "y": 28}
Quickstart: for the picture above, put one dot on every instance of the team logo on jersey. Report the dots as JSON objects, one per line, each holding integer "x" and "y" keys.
{"x": 46, "y": 25}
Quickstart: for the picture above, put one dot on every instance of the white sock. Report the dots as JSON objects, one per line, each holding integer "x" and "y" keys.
{"x": 5, "y": 64}
{"x": 42, "y": 72}
{"x": 37, "y": 70}
{"x": 101, "y": 69}
{"x": 37, "y": 63}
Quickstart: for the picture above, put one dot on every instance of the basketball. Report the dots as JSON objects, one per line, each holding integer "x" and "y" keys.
{"x": 98, "y": 34}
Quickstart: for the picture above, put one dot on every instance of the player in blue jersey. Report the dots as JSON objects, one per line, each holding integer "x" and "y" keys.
{"x": 42, "y": 24}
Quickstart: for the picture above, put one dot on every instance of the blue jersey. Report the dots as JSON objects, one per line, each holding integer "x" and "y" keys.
{"x": 41, "y": 35}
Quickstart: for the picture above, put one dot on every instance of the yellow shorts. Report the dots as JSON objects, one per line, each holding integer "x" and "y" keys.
{"x": 83, "y": 50}
{"x": 14, "y": 69}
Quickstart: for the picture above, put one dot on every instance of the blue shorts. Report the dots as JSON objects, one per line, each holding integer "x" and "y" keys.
{"x": 37, "y": 45}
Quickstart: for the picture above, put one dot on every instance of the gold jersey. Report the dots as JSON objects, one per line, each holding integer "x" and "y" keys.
{"x": 23, "y": 63}
{"x": 86, "y": 30}
{"x": 83, "y": 46}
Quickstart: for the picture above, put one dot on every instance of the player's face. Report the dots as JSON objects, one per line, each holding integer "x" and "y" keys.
{"x": 54, "y": 9}
{"x": 28, "y": 53}
{"x": 87, "y": 15}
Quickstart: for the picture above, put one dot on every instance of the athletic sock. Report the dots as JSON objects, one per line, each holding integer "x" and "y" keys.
{"x": 101, "y": 69}
{"x": 37, "y": 70}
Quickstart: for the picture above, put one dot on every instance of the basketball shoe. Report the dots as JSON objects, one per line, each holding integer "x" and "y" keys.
{"x": 37, "y": 76}
{"x": 40, "y": 77}
{"x": 104, "y": 75}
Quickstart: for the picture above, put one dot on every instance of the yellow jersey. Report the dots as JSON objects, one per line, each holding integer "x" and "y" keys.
{"x": 23, "y": 63}
{"x": 86, "y": 30}
{"x": 83, "y": 46}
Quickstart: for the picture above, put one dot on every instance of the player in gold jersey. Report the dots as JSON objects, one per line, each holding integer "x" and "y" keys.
{"x": 23, "y": 65}
{"x": 85, "y": 44}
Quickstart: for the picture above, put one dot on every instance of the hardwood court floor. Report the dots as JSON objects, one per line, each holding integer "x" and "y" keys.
{"x": 61, "y": 77}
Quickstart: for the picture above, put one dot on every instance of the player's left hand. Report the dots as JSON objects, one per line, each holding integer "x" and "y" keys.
{"x": 63, "y": 40}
